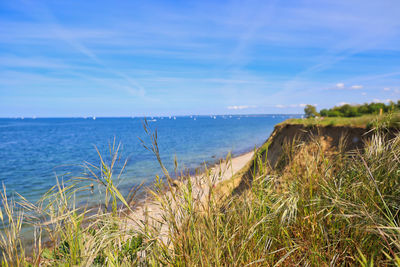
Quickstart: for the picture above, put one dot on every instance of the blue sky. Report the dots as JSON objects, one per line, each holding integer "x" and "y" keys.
{"x": 134, "y": 58}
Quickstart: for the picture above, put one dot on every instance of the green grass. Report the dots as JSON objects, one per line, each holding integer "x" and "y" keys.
{"x": 316, "y": 209}
{"x": 365, "y": 121}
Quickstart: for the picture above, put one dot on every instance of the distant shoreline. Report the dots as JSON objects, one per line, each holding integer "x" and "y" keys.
{"x": 147, "y": 117}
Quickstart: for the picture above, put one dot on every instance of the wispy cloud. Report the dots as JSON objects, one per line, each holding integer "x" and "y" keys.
{"x": 292, "y": 106}
{"x": 343, "y": 103}
{"x": 280, "y": 106}
{"x": 31, "y": 62}
{"x": 240, "y": 107}
{"x": 55, "y": 31}
{"x": 377, "y": 100}
{"x": 341, "y": 86}
{"x": 213, "y": 53}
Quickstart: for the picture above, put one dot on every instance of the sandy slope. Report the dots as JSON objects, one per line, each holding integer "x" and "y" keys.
{"x": 151, "y": 213}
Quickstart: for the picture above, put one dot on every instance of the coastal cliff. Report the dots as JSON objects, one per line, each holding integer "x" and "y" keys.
{"x": 331, "y": 138}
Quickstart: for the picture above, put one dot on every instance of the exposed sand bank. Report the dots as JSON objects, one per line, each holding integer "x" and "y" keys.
{"x": 150, "y": 213}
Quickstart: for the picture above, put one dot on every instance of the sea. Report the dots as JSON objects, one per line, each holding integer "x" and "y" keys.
{"x": 35, "y": 153}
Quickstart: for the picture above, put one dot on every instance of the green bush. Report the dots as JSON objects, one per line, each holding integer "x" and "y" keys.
{"x": 347, "y": 110}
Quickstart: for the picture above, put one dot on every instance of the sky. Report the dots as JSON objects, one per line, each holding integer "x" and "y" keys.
{"x": 148, "y": 58}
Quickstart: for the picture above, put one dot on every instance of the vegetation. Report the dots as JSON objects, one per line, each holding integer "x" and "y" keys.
{"x": 347, "y": 110}
{"x": 389, "y": 120}
{"x": 314, "y": 208}
{"x": 310, "y": 111}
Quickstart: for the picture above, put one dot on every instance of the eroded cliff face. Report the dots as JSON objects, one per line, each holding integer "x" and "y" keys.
{"x": 331, "y": 139}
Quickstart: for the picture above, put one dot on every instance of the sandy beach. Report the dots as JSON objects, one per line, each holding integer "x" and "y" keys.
{"x": 150, "y": 212}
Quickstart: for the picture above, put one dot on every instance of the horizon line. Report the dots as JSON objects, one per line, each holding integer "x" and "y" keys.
{"x": 154, "y": 116}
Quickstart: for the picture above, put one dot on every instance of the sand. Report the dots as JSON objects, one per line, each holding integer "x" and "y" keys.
{"x": 150, "y": 212}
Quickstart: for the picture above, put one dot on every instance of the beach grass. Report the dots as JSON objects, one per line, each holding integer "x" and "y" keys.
{"x": 315, "y": 209}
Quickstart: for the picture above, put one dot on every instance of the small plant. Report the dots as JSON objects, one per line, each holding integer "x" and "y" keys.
{"x": 11, "y": 246}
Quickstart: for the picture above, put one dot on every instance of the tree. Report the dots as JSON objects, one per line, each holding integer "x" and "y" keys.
{"x": 347, "y": 110}
{"x": 310, "y": 111}
{"x": 324, "y": 112}
{"x": 363, "y": 109}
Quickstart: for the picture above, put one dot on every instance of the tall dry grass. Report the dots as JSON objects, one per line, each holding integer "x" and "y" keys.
{"x": 317, "y": 208}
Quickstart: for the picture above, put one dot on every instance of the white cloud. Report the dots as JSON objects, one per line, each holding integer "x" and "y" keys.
{"x": 363, "y": 93}
{"x": 376, "y": 100}
{"x": 240, "y": 107}
{"x": 292, "y": 106}
{"x": 280, "y": 106}
{"x": 343, "y": 103}
{"x": 386, "y": 89}
{"x": 356, "y": 87}
{"x": 340, "y": 85}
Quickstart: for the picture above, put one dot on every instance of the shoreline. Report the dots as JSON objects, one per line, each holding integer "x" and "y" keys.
{"x": 149, "y": 210}
{"x": 146, "y": 203}
{"x": 142, "y": 195}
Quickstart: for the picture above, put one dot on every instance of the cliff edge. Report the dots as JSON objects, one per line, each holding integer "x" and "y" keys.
{"x": 333, "y": 139}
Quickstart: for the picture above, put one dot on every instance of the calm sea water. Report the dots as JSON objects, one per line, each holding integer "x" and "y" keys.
{"x": 34, "y": 151}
